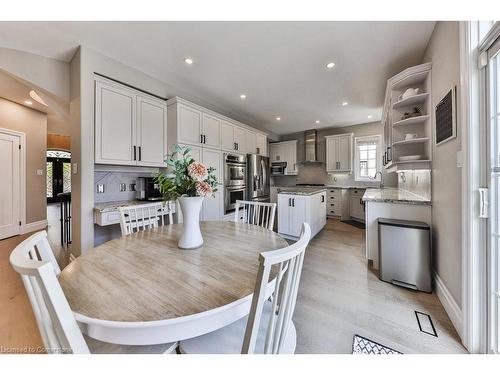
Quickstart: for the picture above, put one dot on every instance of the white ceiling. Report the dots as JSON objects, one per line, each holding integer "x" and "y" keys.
{"x": 17, "y": 90}
{"x": 280, "y": 66}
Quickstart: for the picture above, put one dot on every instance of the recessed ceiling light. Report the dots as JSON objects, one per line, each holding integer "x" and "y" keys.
{"x": 330, "y": 65}
{"x": 188, "y": 61}
{"x": 344, "y": 104}
{"x": 278, "y": 118}
{"x": 317, "y": 121}
{"x": 370, "y": 116}
{"x": 243, "y": 96}
{"x": 28, "y": 102}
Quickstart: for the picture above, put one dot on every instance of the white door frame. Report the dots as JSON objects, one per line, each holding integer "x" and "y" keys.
{"x": 22, "y": 175}
{"x": 473, "y": 116}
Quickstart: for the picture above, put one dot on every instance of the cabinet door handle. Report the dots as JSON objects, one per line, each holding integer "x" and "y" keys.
{"x": 201, "y": 138}
{"x": 293, "y": 202}
{"x": 258, "y": 150}
{"x": 322, "y": 198}
{"x": 135, "y": 158}
{"x": 237, "y": 146}
{"x": 289, "y": 202}
{"x": 389, "y": 154}
{"x": 140, "y": 153}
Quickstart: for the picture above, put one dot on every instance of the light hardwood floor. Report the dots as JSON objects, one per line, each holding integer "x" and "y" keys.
{"x": 339, "y": 296}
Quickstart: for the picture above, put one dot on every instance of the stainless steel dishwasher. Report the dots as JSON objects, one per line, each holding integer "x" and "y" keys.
{"x": 404, "y": 250}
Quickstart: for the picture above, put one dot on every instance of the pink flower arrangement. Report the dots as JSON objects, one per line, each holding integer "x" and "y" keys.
{"x": 197, "y": 172}
{"x": 203, "y": 189}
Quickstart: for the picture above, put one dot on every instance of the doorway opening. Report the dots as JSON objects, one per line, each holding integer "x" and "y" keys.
{"x": 58, "y": 195}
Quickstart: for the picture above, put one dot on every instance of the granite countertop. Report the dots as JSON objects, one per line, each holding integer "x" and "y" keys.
{"x": 301, "y": 190}
{"x": 394, "y": 195}
{"x": 113, "y": 206}
{"x": 322, "y": 187}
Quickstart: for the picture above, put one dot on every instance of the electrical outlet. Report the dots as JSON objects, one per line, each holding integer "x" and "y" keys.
{"x": 39, "y": 172}
{"x": 100, "y": 188}
{"x": 123, "y": 187}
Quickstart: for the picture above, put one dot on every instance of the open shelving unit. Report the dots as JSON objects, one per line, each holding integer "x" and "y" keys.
{"x": 397, "y": 123}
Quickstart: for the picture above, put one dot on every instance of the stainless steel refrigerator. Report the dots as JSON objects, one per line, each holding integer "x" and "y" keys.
{"x": 258, "y": 178}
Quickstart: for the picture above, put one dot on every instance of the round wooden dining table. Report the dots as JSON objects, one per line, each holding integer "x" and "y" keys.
{"x": 142, "y": 289}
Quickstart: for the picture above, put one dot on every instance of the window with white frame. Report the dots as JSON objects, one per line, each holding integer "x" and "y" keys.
{"x": 367, "y": 158}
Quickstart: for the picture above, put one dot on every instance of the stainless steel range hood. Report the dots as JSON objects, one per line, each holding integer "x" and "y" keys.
{"x": 311, "y": 153}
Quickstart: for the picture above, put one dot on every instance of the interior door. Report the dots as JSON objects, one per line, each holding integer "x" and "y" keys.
{"x": 114, "y": 125}
{"x": 151, "y": 132}
{"x": 10, "y": 188}
{"x": 211, "y": 131}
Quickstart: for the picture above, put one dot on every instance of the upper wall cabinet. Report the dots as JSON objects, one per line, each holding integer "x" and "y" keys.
{"x": 285, "y": 152}
{"x": 339, "y": 153}
{"x": 130, "y": 127}
{"x": 193, "y": 125}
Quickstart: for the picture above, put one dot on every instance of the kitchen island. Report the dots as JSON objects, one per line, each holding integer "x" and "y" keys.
{"x": 297, "y": 206}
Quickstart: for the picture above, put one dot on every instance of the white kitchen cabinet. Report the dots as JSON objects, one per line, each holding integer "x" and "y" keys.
{"x": 251, "y": 145}
{"x": 227, "y": 136}
{"x": 285, "y": 152}
{"x": 115, "y": 124}
{"x": 213, "y": 158}
{"x": 339, "y": 153}
{"x": 189, "y": 123}
{"x": 194, "y": 125}
{"x": 260, "y": 144}
{"x": 130, "y": 128}
{"x": 357, "y": 207}
{"x": 151, "y": 132}
{"x": 294, "y": 210}
{"x": 211, "y": 129}
{"x": 212, "y": 207}
{"x": 240, "y": 139}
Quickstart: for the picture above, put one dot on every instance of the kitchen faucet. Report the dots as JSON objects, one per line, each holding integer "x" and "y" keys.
{"x": 381, "y": 186}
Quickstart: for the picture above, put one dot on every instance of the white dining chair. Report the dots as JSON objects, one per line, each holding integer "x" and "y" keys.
{"x": 34, "y": 261}
{"x": 257, "y": 213}
{"x": 269, "y": 328}
{"x": 143, "y": 216}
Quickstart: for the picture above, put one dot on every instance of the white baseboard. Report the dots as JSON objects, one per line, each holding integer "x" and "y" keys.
{"x": 450, "y": 305}
{"x": 34, "y": 226}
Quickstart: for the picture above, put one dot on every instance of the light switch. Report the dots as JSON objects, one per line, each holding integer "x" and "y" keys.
{"x": 75, "y": 168}
{"x": 39, "y": 172}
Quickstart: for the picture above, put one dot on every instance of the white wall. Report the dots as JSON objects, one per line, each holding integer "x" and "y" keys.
{"x": 48, "y": 74}
{"x": 443, "y": 52}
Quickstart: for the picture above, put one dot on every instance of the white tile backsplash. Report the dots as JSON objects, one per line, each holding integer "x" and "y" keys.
{"x": 112, "y": 181}
{"x": 417, "y": 182}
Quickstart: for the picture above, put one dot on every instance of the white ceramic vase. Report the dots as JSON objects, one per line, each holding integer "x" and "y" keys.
{"x": 191, "y": 235}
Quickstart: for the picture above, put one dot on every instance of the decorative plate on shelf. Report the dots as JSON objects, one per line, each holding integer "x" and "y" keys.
{"x": 410, "y": 157}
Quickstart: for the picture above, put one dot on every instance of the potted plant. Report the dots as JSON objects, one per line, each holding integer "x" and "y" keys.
{"x": 187, "y": 181}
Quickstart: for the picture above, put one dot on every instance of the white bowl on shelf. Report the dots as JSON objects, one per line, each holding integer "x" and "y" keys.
{"x": 410, "y": 157}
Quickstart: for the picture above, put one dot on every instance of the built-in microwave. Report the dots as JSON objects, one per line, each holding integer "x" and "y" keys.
{"x": 278, "y": 168}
